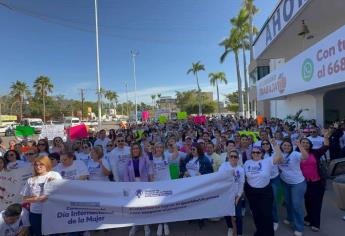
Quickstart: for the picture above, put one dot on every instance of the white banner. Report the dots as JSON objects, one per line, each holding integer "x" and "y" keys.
{"x": 78, "y": 206}
{"x": 52, "y": 131}
{"x": 321, "y": 65}
{"x": 11, "y": 183}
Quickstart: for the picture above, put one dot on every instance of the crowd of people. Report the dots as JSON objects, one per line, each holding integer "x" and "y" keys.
{"x": 263, "y": 158}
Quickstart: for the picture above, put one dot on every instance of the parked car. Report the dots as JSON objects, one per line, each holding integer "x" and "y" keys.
{"x": 36, "y": 123}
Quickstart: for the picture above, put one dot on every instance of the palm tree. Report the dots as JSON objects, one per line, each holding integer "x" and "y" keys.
{"x": 196, "y": 67}
{"x": 153, "y": 97}
{"x": 159, "y": 98}
{"x": 252, "y": 10}
{"x": 112, "y": 97}
{"x": 214, "y": 79}
{"x": 43, "y": 86}
{"x": 233, "y": 44}
{"x": 19, "y": 90}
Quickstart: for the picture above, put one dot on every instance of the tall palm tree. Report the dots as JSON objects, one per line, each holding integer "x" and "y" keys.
{"x": 233, "y": 44}
{"x": 19, "y": 90}
{"x": 196, "y": 67}
{"x": 43, "y": 86}
{"x": 252, "y": 10}
{"x": 159, "y": 97}
{"x": 215, "y": 78}
{"x": 112, "y": 98}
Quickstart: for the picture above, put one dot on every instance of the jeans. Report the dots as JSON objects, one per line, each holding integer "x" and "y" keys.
{"x": 294, "y": 200}
{"x": 275, "y": 187}
{"x": 239, "y": 224}
{"x": 36, "y": 224}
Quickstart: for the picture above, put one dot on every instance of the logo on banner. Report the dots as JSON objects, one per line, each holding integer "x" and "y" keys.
{"x": 139, "y": 193}
{"x": 281, "y": 83}
{"x": 307, "y": 70}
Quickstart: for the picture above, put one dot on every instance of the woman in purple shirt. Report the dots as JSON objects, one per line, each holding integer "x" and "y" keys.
{"x": 138, "y": 169}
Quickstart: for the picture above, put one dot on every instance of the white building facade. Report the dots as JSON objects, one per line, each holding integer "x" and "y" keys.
{"x": 300, "y": 61}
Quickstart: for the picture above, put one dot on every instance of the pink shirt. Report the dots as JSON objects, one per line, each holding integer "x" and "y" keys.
{"x": 309, "y": 168}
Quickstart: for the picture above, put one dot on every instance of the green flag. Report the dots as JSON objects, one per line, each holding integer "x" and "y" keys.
{"x": 174, "y": 171}
{"x": 163, "y": 119}
{"x": 182, "y": 115}
{"x": 24, "y": 131}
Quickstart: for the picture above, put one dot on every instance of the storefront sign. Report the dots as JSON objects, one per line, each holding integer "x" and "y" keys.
{"x": 75, "y": 206}
{"x": 283, "y": 14}
{"x": 321, "y": 65}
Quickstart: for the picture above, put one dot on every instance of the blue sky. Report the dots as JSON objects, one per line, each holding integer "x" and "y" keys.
{"x": 56, "y": 38}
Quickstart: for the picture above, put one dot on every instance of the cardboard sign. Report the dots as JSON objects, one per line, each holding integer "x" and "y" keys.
{"x": 199, "y": 120}
{"x": 52, "y": 131}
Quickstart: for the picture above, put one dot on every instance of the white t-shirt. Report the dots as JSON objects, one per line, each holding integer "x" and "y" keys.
{"x": 102, "y": 143}
{"x": 14, "y": 229}
{"x": 17, "y": 164}
{"x": 84, "y": 157}
{"x": 316, "y": 141}
{"x": 238, "y": 174}
{"x": 193, "y": 166}
{"x": 257, "y": 143}
{"x": 35, "y": 187}
{"x": 290, "y": 168}
{"x": 74, "y": 171}
{"x": 168, "y": 155}
{"x": 95, "y": 170}
{"x": 275, "y": 169}
{"x": 118, "y": 160}
{"x": 160, "y": 169}
{"x": 258, "y": 173}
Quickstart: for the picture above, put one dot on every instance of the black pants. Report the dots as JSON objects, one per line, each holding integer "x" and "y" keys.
{"x": 313, "y": 202}
{"x": 260, "y": 203}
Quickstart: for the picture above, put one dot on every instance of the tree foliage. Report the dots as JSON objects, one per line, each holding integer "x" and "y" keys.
{"x": 188, "y": 101}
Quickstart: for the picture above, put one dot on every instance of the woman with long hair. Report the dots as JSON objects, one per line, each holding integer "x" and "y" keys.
{"x": 12, "y": 158}
{"x": 72, "y": 169}
{"x": 294, "y": 184}
{"x": 316, "y": 181}
{"x": 43, "y": 147}
{"x": 33, "y": 191}
{"x": 268, "y": 152}
{"x": 138, "y": 169}
{"x": 258, "y": 189}
{"x": 57, "y": 145}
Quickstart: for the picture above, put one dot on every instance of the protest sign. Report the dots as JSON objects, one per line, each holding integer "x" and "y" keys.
{"x": 11, "y": 183}
{"x": 163, "y": 119}
{"x": 145, "y": 115}
{"x": 52, "y": 131}
{"x": 24, "y": 131}
{"x": 79, "y": 131}
{"x": 252, "y": 134}
{"x": 199, "y": 120}
{"x": 75, "y": 206}
{"x": 182, "y": 115}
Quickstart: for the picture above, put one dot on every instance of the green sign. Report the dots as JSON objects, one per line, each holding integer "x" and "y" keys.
{"x": 182, "y": 115}
{"x": 24, "y": 131}
{"x": 307, "y": 70}
{"x": 163, "y": 119}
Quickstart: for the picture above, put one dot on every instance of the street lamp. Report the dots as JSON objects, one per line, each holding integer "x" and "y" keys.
{"x": 98, "y": 71}
{"x": 134, "y": 54}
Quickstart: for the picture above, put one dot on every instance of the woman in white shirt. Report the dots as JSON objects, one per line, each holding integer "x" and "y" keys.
{"x": 160, "y": 172}
{"x": 72, "y": 169}
{"x": 294, "y": 184}
{"x": 259, "y": 191}
{"x": 234, "y": 221}
{"x": 33, "y": 191}
{"x": 275, "y": 179}
{"x": 98, "y": 167}
{"x": 84, "y": 155}
{"x": 13, "y": 160}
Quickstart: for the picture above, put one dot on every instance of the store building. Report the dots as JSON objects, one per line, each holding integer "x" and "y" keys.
{"x": 300, "y": 61}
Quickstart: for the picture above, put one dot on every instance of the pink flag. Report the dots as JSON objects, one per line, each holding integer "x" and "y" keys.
{"x": 79, "y": 131}
{"x": 199, "y": 120}
{"x": 145, "y": 115}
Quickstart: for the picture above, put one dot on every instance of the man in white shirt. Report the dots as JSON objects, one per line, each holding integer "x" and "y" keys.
{"x": 102, "y": 140}
{"x": 14, "y": 221}
{"x": 316, "y": 140}
{"x": 118, "y": 159}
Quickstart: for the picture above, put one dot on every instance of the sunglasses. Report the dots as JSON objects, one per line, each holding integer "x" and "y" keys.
{"x": 120, "y": 141}
{"x": 265, "y": 144}
{"x": 41, "y": 144}
{"x": 254, "y": 152}
{"x": 194, "y": 149}
{"x": 30, "y": 154}
{"x": 234, "y": 156}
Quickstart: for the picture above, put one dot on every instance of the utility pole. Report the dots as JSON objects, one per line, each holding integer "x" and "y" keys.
{"x": 134, "y": 54}
{"x": 82, "y": 103}
{"x": 98, "y": 71}
{"x": 127, "y": 99}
